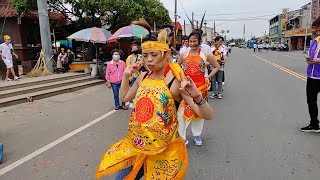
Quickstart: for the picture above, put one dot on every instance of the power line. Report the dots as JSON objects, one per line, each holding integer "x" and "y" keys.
{"x": 252, "y": 18}
{"x": 256, "y": 19}
{"x": 183, "y": 8}
{"x": 237, "y": 13}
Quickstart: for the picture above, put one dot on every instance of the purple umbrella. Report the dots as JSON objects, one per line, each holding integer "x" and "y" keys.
{"x": 132, "y": 30}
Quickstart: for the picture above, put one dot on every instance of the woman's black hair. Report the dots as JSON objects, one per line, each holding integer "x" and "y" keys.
{"x": 133, "y": 45}
{"x": 185, "y": 37}
{"x": 197, "y": 35}
{"x": 115, "y": 50}
{"x": 150, "y": 37}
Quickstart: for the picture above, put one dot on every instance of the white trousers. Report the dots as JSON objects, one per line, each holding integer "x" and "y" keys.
{"x": 196, "y": 126}
{"x": 8, "y": 63}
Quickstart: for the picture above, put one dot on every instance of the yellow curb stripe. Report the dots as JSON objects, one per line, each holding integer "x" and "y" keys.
{"x": 295, "y": 74}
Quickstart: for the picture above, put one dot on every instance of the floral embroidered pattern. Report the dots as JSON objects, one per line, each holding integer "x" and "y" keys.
{"x": 140, "y": 141}
{"x": 144, "y": 109}
{"x": 194, "y": 66}
{"x": 153, "y": 122}
{"x": 168, "y": 168}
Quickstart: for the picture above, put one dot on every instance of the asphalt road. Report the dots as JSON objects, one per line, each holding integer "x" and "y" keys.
{"x": 254, "y": 136}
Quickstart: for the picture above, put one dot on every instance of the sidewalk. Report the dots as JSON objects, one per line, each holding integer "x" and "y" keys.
{"x": 25, "y": 79}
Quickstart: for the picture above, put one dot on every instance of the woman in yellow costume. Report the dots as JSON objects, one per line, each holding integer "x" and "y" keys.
{"x": 194, "y": 63}
{"x": 153, "y": 147}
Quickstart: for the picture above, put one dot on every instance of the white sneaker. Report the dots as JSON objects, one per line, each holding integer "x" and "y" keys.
{"x": 213, "y": 96}
{"x": 131, "y": 105}
{"x": 16, "y": 78}
{"x": 198, "y": 141}
{"x": 222, "y": 83}
{"x": 186, "y": 142}
{"x": 8, "y": 79}
{"x": 219, "y": 96}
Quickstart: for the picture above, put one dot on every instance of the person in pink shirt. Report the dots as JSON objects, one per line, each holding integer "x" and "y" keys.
{"x": 114, "y": 73}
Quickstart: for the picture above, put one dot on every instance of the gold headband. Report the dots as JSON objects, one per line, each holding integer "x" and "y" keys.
{"x": 160, "y": 45}
{"x": 155, "y": 45}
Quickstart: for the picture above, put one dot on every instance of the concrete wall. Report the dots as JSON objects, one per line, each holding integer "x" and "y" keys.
{"x": 209, "y": 31}
{"x": 306, "y": 18}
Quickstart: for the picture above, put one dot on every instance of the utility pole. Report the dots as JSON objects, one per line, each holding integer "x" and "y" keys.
{"x": 184, "y": 27}
{"x": 214, "y": 29}
{"x": 192, "y": 18}
{"x": 175, "y": 24}
{"x": 45, "y": 32}
{"x": 205, "y": 29}
{"x": 244, "y": 32}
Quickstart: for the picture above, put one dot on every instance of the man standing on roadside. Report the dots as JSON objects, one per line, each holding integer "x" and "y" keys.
{"x": 6, "y": 52}
{"x": 313, "y": 81}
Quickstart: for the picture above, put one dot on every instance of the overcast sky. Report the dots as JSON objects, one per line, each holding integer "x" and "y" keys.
{"x": 225, "y": 12}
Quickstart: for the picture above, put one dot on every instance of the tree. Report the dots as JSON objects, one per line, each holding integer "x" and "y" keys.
{"x": 22, "y": 6}
{"x": 113, "y": 13}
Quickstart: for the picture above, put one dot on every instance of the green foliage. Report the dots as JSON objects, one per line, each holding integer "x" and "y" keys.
{"x": 22, "y": 6}
{"x": 113, "y": 13}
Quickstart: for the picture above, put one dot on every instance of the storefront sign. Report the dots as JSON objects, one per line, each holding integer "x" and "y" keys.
{"x": 284, "y": 19}
{"x": 298, "y": 32}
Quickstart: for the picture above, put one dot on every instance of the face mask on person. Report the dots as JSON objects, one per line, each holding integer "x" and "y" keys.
{"x": 8, "y": 41}
{"x": 135, "y": 52}
{"x": 116, "y": 57}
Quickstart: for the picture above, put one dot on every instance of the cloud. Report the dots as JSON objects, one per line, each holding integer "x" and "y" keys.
{"x": 228, "y": 13}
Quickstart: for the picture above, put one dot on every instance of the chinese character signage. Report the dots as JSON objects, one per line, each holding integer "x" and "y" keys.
{"x": 284, "y": 18}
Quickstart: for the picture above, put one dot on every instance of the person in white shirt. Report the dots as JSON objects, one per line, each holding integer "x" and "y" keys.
{"x": 260, "y": 47}
{"x": 267, "y": 47}
{"x": 255, "y": 46}
{"x": 220, "y": 55}
{"x": 6, "y": 52}
{"x": 185, "y": 46}
{"x": 206, "y": 47}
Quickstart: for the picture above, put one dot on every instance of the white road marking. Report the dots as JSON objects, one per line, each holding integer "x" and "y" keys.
{"x": 52, "y": 144}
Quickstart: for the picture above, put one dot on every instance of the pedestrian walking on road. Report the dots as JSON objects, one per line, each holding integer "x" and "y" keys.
{"x": 7, "y": 53}
{"x": 260, "y": 47}
{"x": 313, "y": 81}
{"x": 153, "y": 147}
{"x": 114, "y": 74}
{"x": 194, "y": 63}
{"x": 267, "y": 47}
{"x": 255, "y": 47}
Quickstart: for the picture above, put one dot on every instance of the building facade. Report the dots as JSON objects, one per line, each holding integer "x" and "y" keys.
{"x": 24, "y": 31}
{"x": 299, "y": 31}
{"x": 275, "y": 29}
